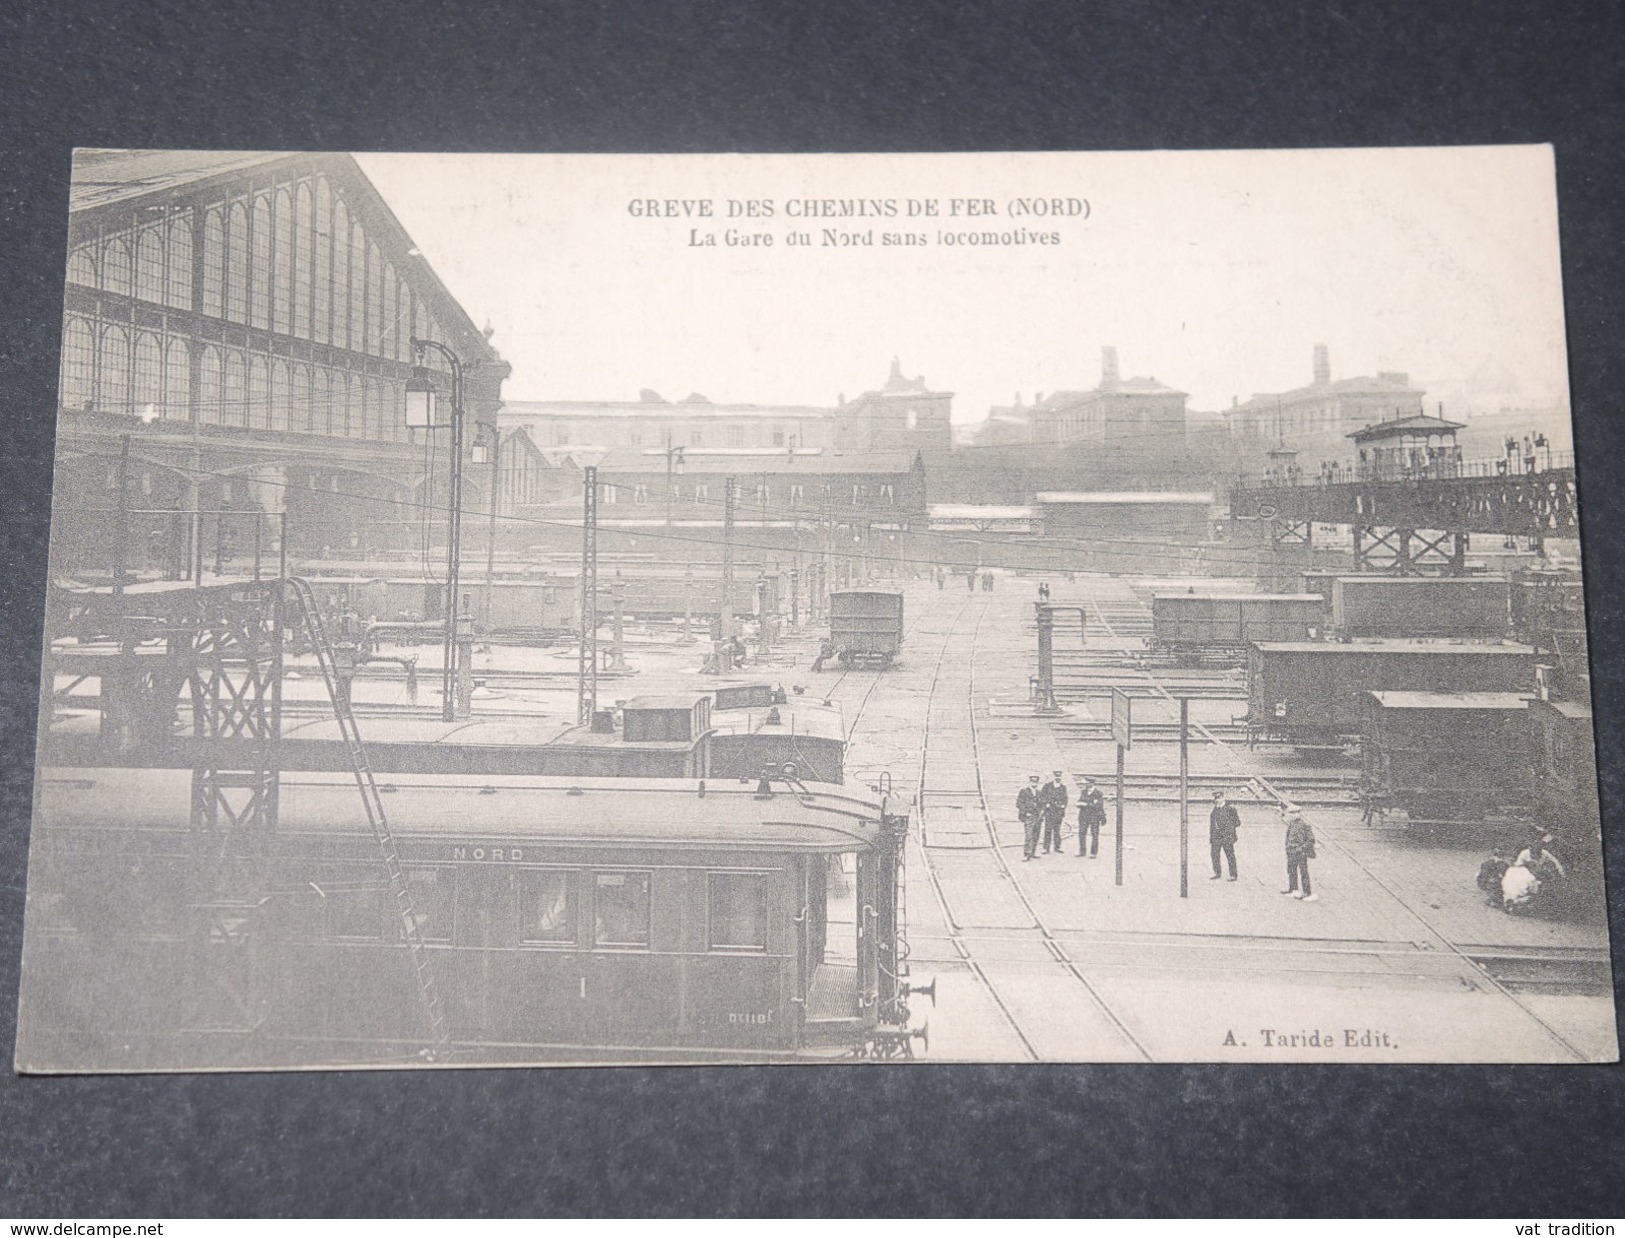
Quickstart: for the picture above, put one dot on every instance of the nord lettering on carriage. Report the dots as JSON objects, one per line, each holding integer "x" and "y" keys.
{"x": 492, "y": 855}
{"x": 766, "y": 1017}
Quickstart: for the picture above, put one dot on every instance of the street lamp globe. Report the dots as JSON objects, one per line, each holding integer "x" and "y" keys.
{"x": 420, "y": 400}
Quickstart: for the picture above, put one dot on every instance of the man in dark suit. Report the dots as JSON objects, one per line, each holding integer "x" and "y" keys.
{"x": 1030, "y": 808}
{"x": 1222, "y": 825}
{"x": 1091, "y": 816}
{"x": 1053, "y": 798}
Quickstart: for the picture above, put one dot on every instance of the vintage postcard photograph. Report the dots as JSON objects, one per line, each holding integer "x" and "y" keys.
{"x": 542, "y": 610}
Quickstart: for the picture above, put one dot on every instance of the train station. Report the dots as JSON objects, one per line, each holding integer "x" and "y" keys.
{"x": 386, "y": 720}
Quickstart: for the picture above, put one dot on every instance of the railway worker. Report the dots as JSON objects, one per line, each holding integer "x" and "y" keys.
{"x": 1300, "y": 849}
{"x": 1052, "y": 799}
{"x": 1091, "y": 816}
{"x": 826, "y": 650}
{"x": 970, "y": 580}
{"x": 1030, "y": 808}
{"x": 1223, "y": 823}
{"x": 941, "y": 577}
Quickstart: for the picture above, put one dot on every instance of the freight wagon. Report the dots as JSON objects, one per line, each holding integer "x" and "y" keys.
{"x": 1547, "y": 605}
{"x": 1222, "y": 625}
{"x": 1447, "y": 758}
{"x": 866, "y": 627}
{"x": 1312, "y": 693}
{"x": 1419, "y": 606}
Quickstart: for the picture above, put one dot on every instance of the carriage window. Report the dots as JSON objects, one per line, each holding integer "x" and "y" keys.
{"x": 431, "y": 893}
{"x": 355, "y": 901}
{"x": 547, "y": 905}
{"x": 621, "y": 909}
{"x": 738, "y": 911}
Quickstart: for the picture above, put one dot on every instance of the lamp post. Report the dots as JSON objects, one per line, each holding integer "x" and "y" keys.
{"x": 490, "y": 453}
{"x": 674, "y": 463}
{"x": 421, "y": 401}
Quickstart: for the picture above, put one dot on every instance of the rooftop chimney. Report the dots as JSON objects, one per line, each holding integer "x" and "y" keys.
{"x": 1323, "y": 366}
{"x": 1108, "y": 366}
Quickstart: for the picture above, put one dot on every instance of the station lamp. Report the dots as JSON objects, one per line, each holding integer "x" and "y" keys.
{"x": 421, "y": 399}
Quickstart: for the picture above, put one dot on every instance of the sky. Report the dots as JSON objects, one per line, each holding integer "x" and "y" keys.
{"x": 1216, "y": 273}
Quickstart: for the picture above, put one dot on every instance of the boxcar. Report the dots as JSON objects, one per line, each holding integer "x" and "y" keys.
{"x": 1548, "y": 604}
{"x": 1224, "y": 624}
{"x": 1446, "y": 757}
{"x": 1313, "y": 692}
{"x": 1419, "y": 606}
{"x": 561, "y": 920}
{"x": 1566, "y": 777}
{"x": 866, "y": 627}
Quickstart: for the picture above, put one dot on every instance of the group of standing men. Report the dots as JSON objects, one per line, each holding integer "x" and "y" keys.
{"x": 1042, "y": 809}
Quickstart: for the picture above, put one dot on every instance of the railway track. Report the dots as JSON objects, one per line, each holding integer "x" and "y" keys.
{"x": 1511, "y": 972}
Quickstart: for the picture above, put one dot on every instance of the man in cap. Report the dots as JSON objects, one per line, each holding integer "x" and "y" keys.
{"x": 1053, "y": 798}
{"x": 1029, "y": 807}
{"x": 1222, "y": 825}
{"x": 1091, "y": 816}
{"x": 1300, "y": 849}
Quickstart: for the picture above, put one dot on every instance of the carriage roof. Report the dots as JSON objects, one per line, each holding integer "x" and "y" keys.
{"x": 622, "y": 813}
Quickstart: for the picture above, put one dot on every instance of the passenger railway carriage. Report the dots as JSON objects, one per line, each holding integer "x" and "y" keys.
{"x": 586, "y": 920}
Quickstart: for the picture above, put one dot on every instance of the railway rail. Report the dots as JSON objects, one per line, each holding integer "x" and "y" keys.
{"x": 1523, "y": 970}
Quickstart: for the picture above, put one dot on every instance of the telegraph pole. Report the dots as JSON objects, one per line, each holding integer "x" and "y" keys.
{"x": 726, "y": 625}
{"x": 587, "y": 661}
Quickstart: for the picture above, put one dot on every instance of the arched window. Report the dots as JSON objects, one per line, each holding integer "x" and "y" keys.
{"x": 344, "y": 410}
{"x": 375, "y": 300}
{"x": 321, "y": 294}
{"x": 113, "y": 379}
{"x": 149, "y": 265}
{"x": 259, "y": 394}
{"x": 280, "y": 419}
{"x": 78, "y": 364}
{"x": 321, "y": 404}
{"x": 234, "y": 397}
{"x": 300, "y": 400}
{"x": 341, "y": 275}
{"x": 149, "y": 375}
{"x": 214, "y": 264}
{"x": 262, "y": 262}
{"x": 237, "y": 260}
{"x": 358, "y": 289}
{"x": 116, "y": 275}
{"x": 208, "y": 386}
{"x": 392, "y": 411}
{"x": 178, "y": 273}
{"x": 82, "y": 266}
{"x": 282, "y": 266}
{"x": 391, "y": 332}
{"x": 301, "y": 262}
{"x": 177, "y": 382}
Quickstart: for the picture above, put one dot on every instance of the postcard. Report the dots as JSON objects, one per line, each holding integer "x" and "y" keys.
{"x": 562, "y": 609}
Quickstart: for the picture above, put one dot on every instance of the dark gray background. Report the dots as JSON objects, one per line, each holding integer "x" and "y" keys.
{"x": 530, "y": 76}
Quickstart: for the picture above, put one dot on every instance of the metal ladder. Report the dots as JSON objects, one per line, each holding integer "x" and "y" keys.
{"x": 428, "y": 993}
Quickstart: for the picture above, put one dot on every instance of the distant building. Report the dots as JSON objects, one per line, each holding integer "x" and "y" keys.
{"x": 653, "y": 421}
{"x": 1140, "y": 411}
{"x": 1327, "y": 410}
{"x": 1182, "y": 516}
{"x": 901, "y": 416}
{"x": 904, "y": 415}
{"x": 1006, "y": 425}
